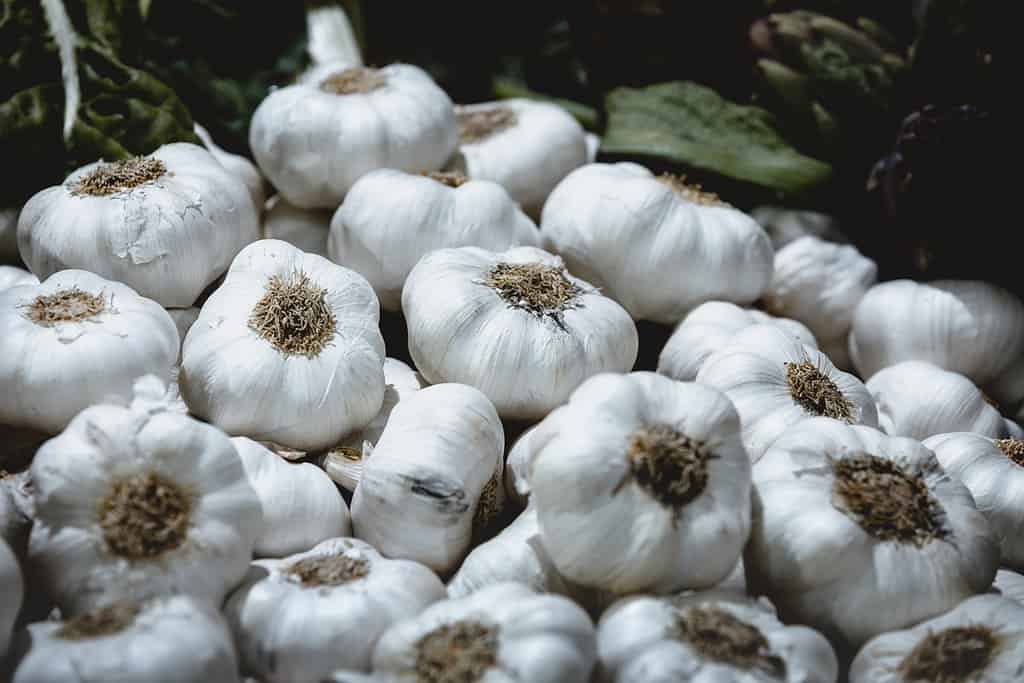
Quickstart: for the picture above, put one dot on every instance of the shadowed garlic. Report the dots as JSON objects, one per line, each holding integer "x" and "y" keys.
{"x": 1009, "y": 584}
{"x": 785, "y": 225}
{"x": 15, "y": 510}
{"x": 9, "y": 236}
{"x": 13, "y": 276}
{"x": 518, "y": 461}
{"x": 237, "y": 165}
{"x": 13, "y": 594}
{"x": 306, "y": 229}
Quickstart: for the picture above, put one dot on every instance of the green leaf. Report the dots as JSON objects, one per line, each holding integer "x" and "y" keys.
{"x": 687, "y": 124}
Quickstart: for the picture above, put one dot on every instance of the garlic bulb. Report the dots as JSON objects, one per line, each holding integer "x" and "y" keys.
{"x": 74, "y": 340}
{"x": 183, "y": 319}
{"x": 504, "y": 632}
{"x": 315, "y": 138}
{"x": 434, "y": 473}
{"x": 237, "y": 165}
{"x": 711, "y": 326}
{"x": 515, "y": 325}
{"x": 981, "y": 640}
{"x": 167, "y": 225}
{"x": 710, "y": 636}
{"x": 1010, "y": 585}
{"x": 12, "y": 276}
{"x": 527, "y": 146}
{"x": 776, "y": 382}
{"x": 654, "y": 244}
{"x": 785, "y": 225}
{"x": 593, "y": 142}
{"x": 16, "y": 510}
{"x": 299, "y": 618}
{"x": 175, "y": 639}
{"x": 14, "y": 593}
{"x": 912, "y": 542}
{"x": 132, "y": 503}
{"x": 9, "y": 236}
{"x": 645, "y": 486}
{"x": 301, "y": 506}
{"x": 993, "y": 471}
{"x": 918, "y": 399}
{"x": 306, "y": 229}
{"x": 287, "y": 350}
{"x": 390, "y": 219}
{"x": 518, "y": 462}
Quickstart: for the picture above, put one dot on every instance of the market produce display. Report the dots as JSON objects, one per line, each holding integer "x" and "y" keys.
{"x": 604, "y": 342}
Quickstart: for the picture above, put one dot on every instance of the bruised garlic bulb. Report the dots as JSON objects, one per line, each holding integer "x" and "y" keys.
{"x": 785, "y": 225}
{"x": 910, "y": 541}
{"x": 390, "y": 219}
{"x": 287, "y": 350}
{"x": 12, "y": 276}
{"x": 711, "y": 636}
{"x": 335, "y": 599}
{"x": 13, "y": 594}
{"x": 776, "y": 382}
{"x": 654, "y": 244}
{"x": 306, "y": 229}
{"x": 708, "y": 328}
{"x": 237, "y": 165}
{"x": 515, "y": 325}
{"x": 74, "y": 340}
{"x": 167, "y": 225}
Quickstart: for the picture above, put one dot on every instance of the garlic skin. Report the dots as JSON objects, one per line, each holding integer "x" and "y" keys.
{"x": 538, "y": 145}
{"x": 15, "y": 511}
{"x": 306, "y": 229}
{"x": 711, "y": 326}
{"x": 9, "y": 235}
{"x": 776, "y": 382}
{"x": 237, "y": 165}
{"x": 785, "y": 225}
{"x": 607, "y": 522}
{"x": 919, "y": 400}
{"x": 502, "y": 633}
{"x": 301, "y": 387}
{"x": 477, "y": 317}
{"x": 313, "y": 144}
{"x": 645, "y": 640}
{"x": 520, "y": 456}
{"x": 13, "y": 276}
{"x": 301, "y": 506}
{"x": 1009, "y": 584}
{"x": 74, "y": 340}
{"x": 174, "y": 639}
{"x": 336, "y": 600}
{"x": 122, "y": 461}
{"x": 14, "y": 593}
{"x": 183, "y": 319}
{"x": 650, "y": 248}
{"x": 390, "y": 219}
{"x": 912, "y": 540}
{"x": 980, "y": 640}
{"x": 167, "y": 237}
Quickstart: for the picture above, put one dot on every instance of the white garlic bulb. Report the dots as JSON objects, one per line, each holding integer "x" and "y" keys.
{"x": 436, "y": 468}
{"x": 710, "y": 636}
{"x": 15, "y": 511}
{"x": 287, "y": 350}
{"x": 518, "y": 461}
{"x": 645, "y": 486}
{"x": 315, "y": 138}
{"x": 515, "y": 325}
{"x": 527, "y": 146}
{"x": 13, "y": 594}
{"x": 912, "y": 541}
{"x": 167, "y": 225}
{"x": 981, "y": 640}
{"x": 175, "y": 639}
{"x": 708, "y": 328}
{"x": 299, "y": 618}
{"x": 657, "y": 246}
{"x": 9, "y": 236}
{"x": 390, "y": 219}
{"x": 13, "y": 276}
{"x": 785, "y": 225}
{"x": 306, "y": 229}
{"x": 183, "y": 319}
{"x": 237, "y": 165}
{"x": 593, "y": 142}
{"x": 502, "y": 633}
{"x": 776, "y": 382}
{"x": 74, "y": 340}
{"x": 918, "y": 399}
{"x": 1009, "y": 584}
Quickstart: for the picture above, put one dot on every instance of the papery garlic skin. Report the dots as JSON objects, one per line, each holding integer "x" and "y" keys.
{"x": 13, "y": 276}
{"x": 175, "y": 639}
{"x": 1010, "y": 585}
{"x": 390, "y": 219}
{"x": 885, "y": 580}
{"x": 9, "y": 236}
{"x": 657, "y": 253}
{"x": 420, "y": 488}
{"x": 640, "y": 640}
{"x": 15, "y": 515}
{"x": 75, "y": 340}
{"x": 708, "y": 328}
{"x": 239, "y": 379}
{"x": 14, "y": 593}
{"x": 785, "y": 225}
{"x": 306, "y": 229}
{"x": 520, "y": 456}
{"x": 605, "y": 527}
{"x": 524, "y": 356}
{"x": 237, "y": 165}
{"x": 919, "y": 400}
{"x": 884, "y": 659}
{"x": 313, "y": 144}
{"x": 167, "y": 238}
{"x": 329, "y": 625}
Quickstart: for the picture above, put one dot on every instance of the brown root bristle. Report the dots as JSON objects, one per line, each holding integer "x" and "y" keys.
{"x": 102, "y": 621}
{"x": 489, "y": 506}
{"x": 719, "y": 636}
{"x": 66, "y": 306}
{"x": 459, "y": 652}
{"x": 955, "y": 655}
{"x": 691, "y": 192}
{"x": 144, "y": 516}
{"x": 329, "y": 570}
{"x": 816, "y": 392}
{"x": 481, "y": 124}
{"x": 535, "y": 287}
{"x": 348, "y": 452}
{"x": 119, "y": 176}
{"x": 449, "y": 178}
{"x": 293, "y": 315}
{"x": 358, "y": 79}
{"x": 1012, "y": 449}
{"x": 670, "y": 466}
{"x": 886, "y": 501}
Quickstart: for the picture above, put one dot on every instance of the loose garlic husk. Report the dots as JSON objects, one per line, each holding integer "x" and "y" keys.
{"x": 9, "y": 236}
{"x": 336, "y": 600}
{"x": 237, "y": 165}
{"x": 14, "y": 593}
{"x": 306, "y": 229}
{"x": 13, "y": 276}
{"x": 785, "y": 225}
